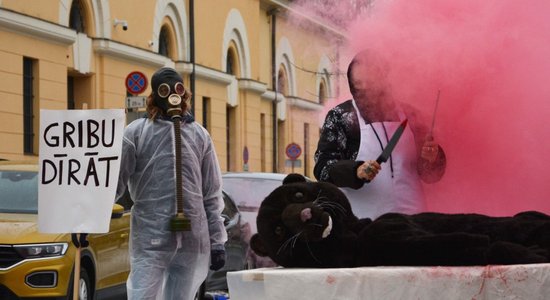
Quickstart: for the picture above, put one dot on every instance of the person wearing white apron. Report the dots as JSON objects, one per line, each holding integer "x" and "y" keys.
{"x": 396, "y": 187}
{"x": 356, "y": 132}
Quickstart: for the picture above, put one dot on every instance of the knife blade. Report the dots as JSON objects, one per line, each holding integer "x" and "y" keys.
{"x": 392, "y": 143}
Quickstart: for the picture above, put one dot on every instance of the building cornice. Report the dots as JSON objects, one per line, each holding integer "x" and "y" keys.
{"x": 36, "y": 28}
{"x": 221, "y": 77}
{"x": 204, "y": 72}
{"x": 303, "y": 103}
{"x": 252, "y": 85}
{"x": 292, "y": 101}
{"x": 130, "y": 53}
{"x": 270, "y": 95}
{"x": 312, "y": 19}
{"x": 214, "y": 75}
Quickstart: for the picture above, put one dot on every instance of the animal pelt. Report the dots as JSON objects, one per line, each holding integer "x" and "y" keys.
{"x": 311, "y": 224}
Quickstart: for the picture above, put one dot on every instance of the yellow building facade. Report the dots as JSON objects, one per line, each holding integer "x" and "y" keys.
{"x": 259, "y": 70}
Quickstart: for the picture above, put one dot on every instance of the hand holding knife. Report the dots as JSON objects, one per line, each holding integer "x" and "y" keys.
{"x": 371, "y": 168}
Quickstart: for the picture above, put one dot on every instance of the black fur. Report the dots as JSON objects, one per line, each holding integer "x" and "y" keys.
{"x": 292, "y": 218}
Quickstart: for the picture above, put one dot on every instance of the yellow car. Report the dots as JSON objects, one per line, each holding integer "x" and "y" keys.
{"x": 33, "y": 264}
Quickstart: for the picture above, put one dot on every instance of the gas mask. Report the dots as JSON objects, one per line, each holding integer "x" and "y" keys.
{"x": 169, "y": 91}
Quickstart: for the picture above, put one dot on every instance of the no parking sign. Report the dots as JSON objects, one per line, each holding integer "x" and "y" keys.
{"x": 293, "y": 151}
{"x": 136, "y": 83}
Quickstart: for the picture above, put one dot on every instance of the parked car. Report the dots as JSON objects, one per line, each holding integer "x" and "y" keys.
{"x": 34, "y": 264}
{"x": 248, "y": 190}
{"x": 236, "y": 249}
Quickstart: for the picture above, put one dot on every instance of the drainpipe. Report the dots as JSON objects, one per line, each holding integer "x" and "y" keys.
{"x": 192, "y": 52}
{"x": 273, "y": 14}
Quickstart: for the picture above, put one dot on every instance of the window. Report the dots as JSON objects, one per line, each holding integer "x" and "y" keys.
{"x": 262, "y": 143}
{"x": 28, "y": 105}
{"x": 76, "y": 18}
{"x": 281, "y": 81}
{"x": 230, "y": 138}
{"x": 19, "y": 192}
{"x": 164, "y": 42}
{"x": 79, "y": 91}
{"x": 70, "y": 93}
{"x": 322, "y": 92}
{"x": 231, "y": 115}
{"x": 281, "y": 126}
{"x": 281, "y": 144}
{"x": 230, "y": 62}
{"x": 205, "y": 112}
{"x": 230, "y": 210}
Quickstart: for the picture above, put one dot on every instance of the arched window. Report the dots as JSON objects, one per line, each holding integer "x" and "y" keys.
{"x": 281, "y": 81}
{"x": 281, "y": 125}
{"x": 231, "y": 67}
{"x": 322, "y": 92}
{"x": 230, "y": 63}
{"x": 77, "y": 17}
{"x": 164, "y": 42}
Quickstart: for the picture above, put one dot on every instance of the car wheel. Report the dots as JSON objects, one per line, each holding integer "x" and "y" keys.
{"x": 84, "y": 292}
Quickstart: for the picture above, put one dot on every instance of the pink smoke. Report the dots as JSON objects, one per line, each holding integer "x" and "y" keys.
{"x": 491, "y": 61}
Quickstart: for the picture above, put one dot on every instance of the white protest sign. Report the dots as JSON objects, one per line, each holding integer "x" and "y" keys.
{"x": 79, "y": 165}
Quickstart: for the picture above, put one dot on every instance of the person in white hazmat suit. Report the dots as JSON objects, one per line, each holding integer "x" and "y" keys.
{"x": 168, "y": 264}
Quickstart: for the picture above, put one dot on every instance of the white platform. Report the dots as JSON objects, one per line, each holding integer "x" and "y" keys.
{"x": 529, "y": 282}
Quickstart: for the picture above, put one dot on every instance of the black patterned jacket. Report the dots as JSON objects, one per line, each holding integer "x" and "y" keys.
{"x": 339, "y": 143}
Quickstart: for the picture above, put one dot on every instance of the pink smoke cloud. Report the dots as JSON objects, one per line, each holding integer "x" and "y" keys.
{"x": 491, "y": 61}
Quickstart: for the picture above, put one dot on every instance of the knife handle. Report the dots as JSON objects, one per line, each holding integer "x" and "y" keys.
{"x": 379, "y": 160}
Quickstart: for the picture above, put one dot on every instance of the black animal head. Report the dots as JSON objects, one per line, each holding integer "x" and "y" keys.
{"x": 299, "y": 222}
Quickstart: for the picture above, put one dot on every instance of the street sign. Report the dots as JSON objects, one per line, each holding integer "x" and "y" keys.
{"x": 135, "y": 101}
{"x": 291, "y": 163}
{"x": 136, "y": 83}
{"x": 293, "y": 151}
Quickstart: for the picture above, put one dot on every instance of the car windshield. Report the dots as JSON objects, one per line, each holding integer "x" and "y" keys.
{"x": 248, "y": 194}
{"x": 19, "y": 190}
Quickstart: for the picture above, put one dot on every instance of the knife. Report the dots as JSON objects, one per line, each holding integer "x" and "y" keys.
{"x": 392, "y": 143}
{"x": 386, "y": 153}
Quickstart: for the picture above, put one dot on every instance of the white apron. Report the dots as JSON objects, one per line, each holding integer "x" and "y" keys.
{"x": 397, "y": 191}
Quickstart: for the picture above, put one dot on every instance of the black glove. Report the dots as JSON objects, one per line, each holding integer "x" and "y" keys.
{"x": 217, "y": 259}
